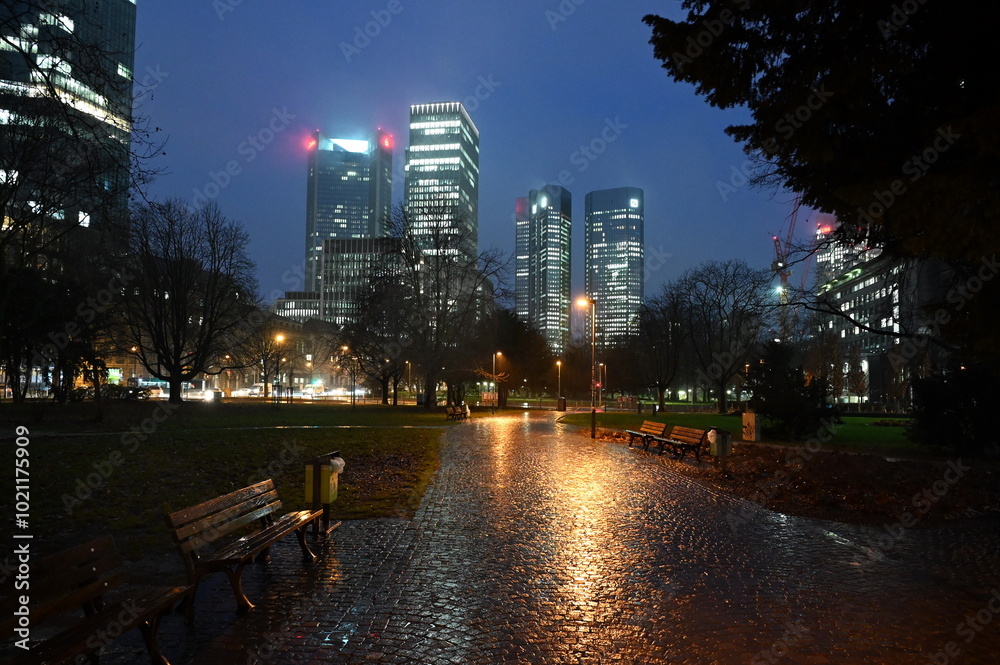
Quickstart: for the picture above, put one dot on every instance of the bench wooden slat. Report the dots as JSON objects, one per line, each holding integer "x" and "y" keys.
{"x": 650, "y": 430}
{"x": 79, "y": 592}
{"x": 193, "y": 513}
{"x": 684, "y": 439}
{"x": 255, "y": 542}
{"x": 196, "y": 527}
{"x": 213, "y": 527}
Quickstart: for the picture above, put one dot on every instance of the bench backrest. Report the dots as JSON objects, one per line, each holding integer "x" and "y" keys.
{"x": 74, "y": 579}
{"x": 688, "y": 434}
{"x": 197, "y": 526}
{"x": 654, "y": 428}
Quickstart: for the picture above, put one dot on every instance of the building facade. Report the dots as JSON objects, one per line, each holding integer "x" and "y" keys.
{"x": 348, "y": 194}
{"x": 442, "y": 179}
{"x": 348, "y": 266}
{"x": 542, "y": 263}
{"x": 299, "y": 306}
{"x": 613, "y": 259}
{"x": 66, "y": 86}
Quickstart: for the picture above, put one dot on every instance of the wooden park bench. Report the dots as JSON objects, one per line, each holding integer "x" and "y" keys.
{"x": 80, "y": 603}
{"x": 684, "y": 439}
{"x": 252, "y": 511}
{"x": 456, "y": 412}
{"x": 649, "y": 432}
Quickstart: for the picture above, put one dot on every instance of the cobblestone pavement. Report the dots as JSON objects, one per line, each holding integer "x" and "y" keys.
{"x": 535, "y": 544}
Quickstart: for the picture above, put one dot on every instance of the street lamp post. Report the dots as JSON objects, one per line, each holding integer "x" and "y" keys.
{"x": 559, "y": 373}
{"x": 354, "y": 376}
{"x": 496, "y": 391}
{"x": 583, "y": 302}
{"x": 280, "y": 339}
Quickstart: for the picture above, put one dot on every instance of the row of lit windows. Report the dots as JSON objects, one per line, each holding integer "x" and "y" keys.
{"x": 435, "y": 123}
{"x": 432, "y": 146}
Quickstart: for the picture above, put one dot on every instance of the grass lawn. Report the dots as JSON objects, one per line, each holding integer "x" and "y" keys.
{"x": 120, "y": 416}
{"x": 124, "y": 482}
{"x": 856, "y": 433}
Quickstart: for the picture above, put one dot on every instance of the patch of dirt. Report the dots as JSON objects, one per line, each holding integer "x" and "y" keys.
{"x": 846, "y": 487}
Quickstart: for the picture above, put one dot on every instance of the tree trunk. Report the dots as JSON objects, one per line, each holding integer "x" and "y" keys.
{"x": 384, "y": 381}
{"x": 176, "y": 388}
{"x": 661, "y": 397}
{"x": 430, "y": 391}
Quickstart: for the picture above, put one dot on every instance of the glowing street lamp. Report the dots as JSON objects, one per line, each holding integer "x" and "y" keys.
{"x": 496, "y": 393}
{"x": 584, "y": 302}
{"x": 559, "y": 373}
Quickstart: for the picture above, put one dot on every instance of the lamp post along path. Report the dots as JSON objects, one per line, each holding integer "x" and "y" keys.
{"x": 583, "y": 302}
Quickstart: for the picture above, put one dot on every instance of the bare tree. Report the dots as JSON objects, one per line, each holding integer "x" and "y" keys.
{"x": 662, "y": 335}
{"x": 193, "y": 284}
{"x": 446, "y": 290}
{"x": 726, "y": 305}
{"x": 260, "y": 348}
{"x": 857, "y": 379}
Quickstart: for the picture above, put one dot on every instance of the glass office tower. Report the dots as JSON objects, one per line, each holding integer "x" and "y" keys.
{"x": 542, "y": 263}
{"x": 348, "y": 195}
{"x": 66, "y": 113}
{"x": 613, "y": 259}
{"x": 442, "y": 179}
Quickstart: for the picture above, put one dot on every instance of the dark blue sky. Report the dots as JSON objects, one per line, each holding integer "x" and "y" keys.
{"x": 240, "y": 84}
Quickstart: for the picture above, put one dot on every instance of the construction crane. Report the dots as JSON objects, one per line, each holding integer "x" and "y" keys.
{"x": 782, "y": 250}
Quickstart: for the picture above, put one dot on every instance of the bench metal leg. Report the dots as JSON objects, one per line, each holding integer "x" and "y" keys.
{"x": 243, "y": 603}
{"x": 306, "y": 552}
{"x": 148, "y": 629}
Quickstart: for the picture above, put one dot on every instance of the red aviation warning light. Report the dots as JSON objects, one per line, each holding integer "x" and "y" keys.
{"x": 387, "y": 142}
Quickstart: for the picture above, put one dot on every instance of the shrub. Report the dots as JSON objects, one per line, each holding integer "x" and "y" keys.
{"x": 954, "y": 408}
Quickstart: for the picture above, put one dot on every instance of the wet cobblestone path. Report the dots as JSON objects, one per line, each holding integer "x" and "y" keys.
{"x": 535, "y": 544}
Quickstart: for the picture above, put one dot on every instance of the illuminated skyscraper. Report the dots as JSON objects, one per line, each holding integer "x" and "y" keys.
{"x": 542, "y": 263}
{"x": 442, "y": 178}
{"x": 65, "y": 112}
{"x": 348, "y": 195}
{"x": 613, "y": 258}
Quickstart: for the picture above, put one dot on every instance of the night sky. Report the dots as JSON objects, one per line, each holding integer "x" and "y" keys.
{"x": 240, "y": 84}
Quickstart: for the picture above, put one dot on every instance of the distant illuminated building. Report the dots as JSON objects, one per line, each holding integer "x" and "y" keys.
{"x": 348, "y": 194}
{"x": 542, "y": 263}
{"x": 442, "y": 179}
{"x": 66, "y": 97}
{"x": 613, "y": 258}
{"x": 348, "y": 266}
{"x": 836, "y": 258}
{"x": 298, "y": 306}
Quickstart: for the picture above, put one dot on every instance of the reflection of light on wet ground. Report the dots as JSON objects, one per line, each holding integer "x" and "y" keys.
{"x": 584, "y": 544}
